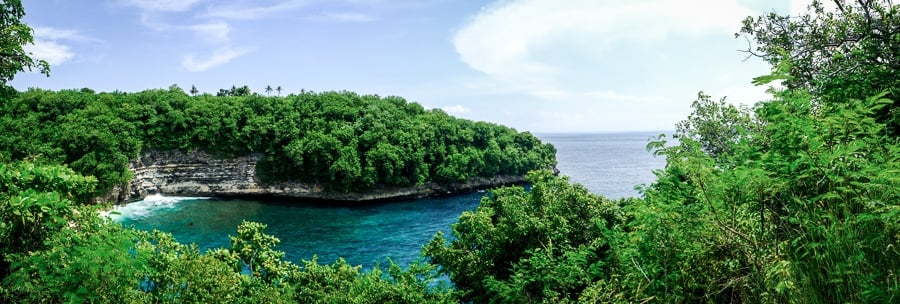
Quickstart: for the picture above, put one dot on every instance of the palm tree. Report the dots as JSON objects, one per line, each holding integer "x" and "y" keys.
{"x": 268, "y": 90}
{"x": 279, "y": 90}
{"x": 194, "y": 90}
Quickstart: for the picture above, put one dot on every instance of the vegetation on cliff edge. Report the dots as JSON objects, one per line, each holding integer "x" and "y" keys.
{"x": 341, "y": 140}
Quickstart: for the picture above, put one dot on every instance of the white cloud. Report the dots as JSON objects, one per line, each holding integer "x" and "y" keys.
{"x": 213, "y": 22}
{"x": 798, "y": 7}
{"x": 612, "y": 65}
{"x": 212, "y": 31}
{"x": 616, "y": 96}
{"x": 519, "y": 43}
{"x": 51, "y": 51}
{"x": 55, "y": 45}
{"x": 589, "y": 119}
{"x": 342, "y": 17}
{"x": 456, "y": 109}
{"x": 218, "y": 57}
{"x": 51, "y": 33}
{"x": 254, "y": 12}
{"x": 550, "y": 93}
{"x": 746, "y": 95}
{"x": 162, "y": 5}
{"x": 214, "y": 35}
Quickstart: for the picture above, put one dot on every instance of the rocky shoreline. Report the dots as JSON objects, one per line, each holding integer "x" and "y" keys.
{"x": 197, "y": 173}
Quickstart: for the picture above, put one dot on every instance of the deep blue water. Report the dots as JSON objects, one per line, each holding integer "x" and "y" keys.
{"x": 366, "y": 234}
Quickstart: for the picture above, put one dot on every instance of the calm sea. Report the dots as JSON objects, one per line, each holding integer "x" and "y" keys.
{"x": 366, "y": 234}
{"x": 607, "y": 164}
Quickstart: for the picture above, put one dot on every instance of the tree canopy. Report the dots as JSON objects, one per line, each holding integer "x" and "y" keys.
{"x": 341, "y": 140}
{"x": 14, "y": 36}
{"x": 837, "y": 55}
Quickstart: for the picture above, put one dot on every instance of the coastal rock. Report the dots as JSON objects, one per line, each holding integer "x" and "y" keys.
{"x": 200, "y": 174}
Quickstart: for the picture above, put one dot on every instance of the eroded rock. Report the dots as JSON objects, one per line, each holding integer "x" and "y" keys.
{"x": 200, "y": 174}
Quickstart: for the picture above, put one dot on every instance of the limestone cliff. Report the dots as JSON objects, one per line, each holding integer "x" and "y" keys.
{"x": 200, "y": 174}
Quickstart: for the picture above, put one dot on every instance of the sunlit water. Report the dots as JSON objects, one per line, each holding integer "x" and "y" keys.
{"x": 370, "y": 233}
{"x": 607, "y": 164}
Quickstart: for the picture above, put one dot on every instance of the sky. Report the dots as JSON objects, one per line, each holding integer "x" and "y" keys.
{"x": 544, "y": 66}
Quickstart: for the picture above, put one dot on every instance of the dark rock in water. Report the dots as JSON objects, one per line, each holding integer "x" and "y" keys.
{"x": 200, "y": 174}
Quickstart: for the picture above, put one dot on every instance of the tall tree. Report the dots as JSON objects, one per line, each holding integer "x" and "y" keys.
{"x": 14, "y": 35}
{"x": 268, "y": 90}
{"x": 716, "y": 125}
{"x": 194, "y": 90}
{"x": 279, "y": 90}
{"x": 850, "y": 51}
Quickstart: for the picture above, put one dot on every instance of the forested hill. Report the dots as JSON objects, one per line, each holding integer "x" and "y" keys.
{"x": 342, "y": 140}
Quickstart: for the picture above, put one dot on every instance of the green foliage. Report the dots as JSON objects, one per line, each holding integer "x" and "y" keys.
{"x": 30, "y": 217}
{"x": 179, "y": 273}
{"x": 342, "y": 283}
{"x": 340, "y": 140}
{"x": 21, "y": 176}
{"x": 254, "y": 250}
{"x": 236, "y": 91}
{"x": 35, "y": 203}
{"x": 782, "y": 217}
{"x": 715, "y": 125}
{"x": 97, "y": 262}
{"x": 836, "y": 55}
{"x": 546, "y": 244}
{"x": 14, "y": 35}
{"x": 838, "y": 190}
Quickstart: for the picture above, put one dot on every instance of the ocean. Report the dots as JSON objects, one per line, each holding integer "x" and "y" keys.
{"x": 609, "y": 164}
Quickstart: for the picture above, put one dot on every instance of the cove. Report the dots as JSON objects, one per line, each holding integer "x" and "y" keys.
{"x": 370, "y": 233}
{"x": 363, "y": 234}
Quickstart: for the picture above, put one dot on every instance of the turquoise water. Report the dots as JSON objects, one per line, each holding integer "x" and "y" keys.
{"x": 366, "y": 233}
{"x": 363, "y": 235}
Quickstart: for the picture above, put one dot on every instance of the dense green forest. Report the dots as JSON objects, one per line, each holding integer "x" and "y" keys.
{"x": 342, "y": 140}
{"x": 795, "y": 200}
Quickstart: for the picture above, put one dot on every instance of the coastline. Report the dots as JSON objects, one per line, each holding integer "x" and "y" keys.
{"x": 198, "y": 174}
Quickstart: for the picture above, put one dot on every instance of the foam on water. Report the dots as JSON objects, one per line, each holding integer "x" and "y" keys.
{"x": 148, "y": 206}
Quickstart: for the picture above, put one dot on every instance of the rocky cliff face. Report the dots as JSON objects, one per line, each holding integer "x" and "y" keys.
{"x": 200, "y": 174}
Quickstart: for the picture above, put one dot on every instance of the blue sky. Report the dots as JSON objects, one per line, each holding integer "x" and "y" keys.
{"x": 535, "y": 65}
